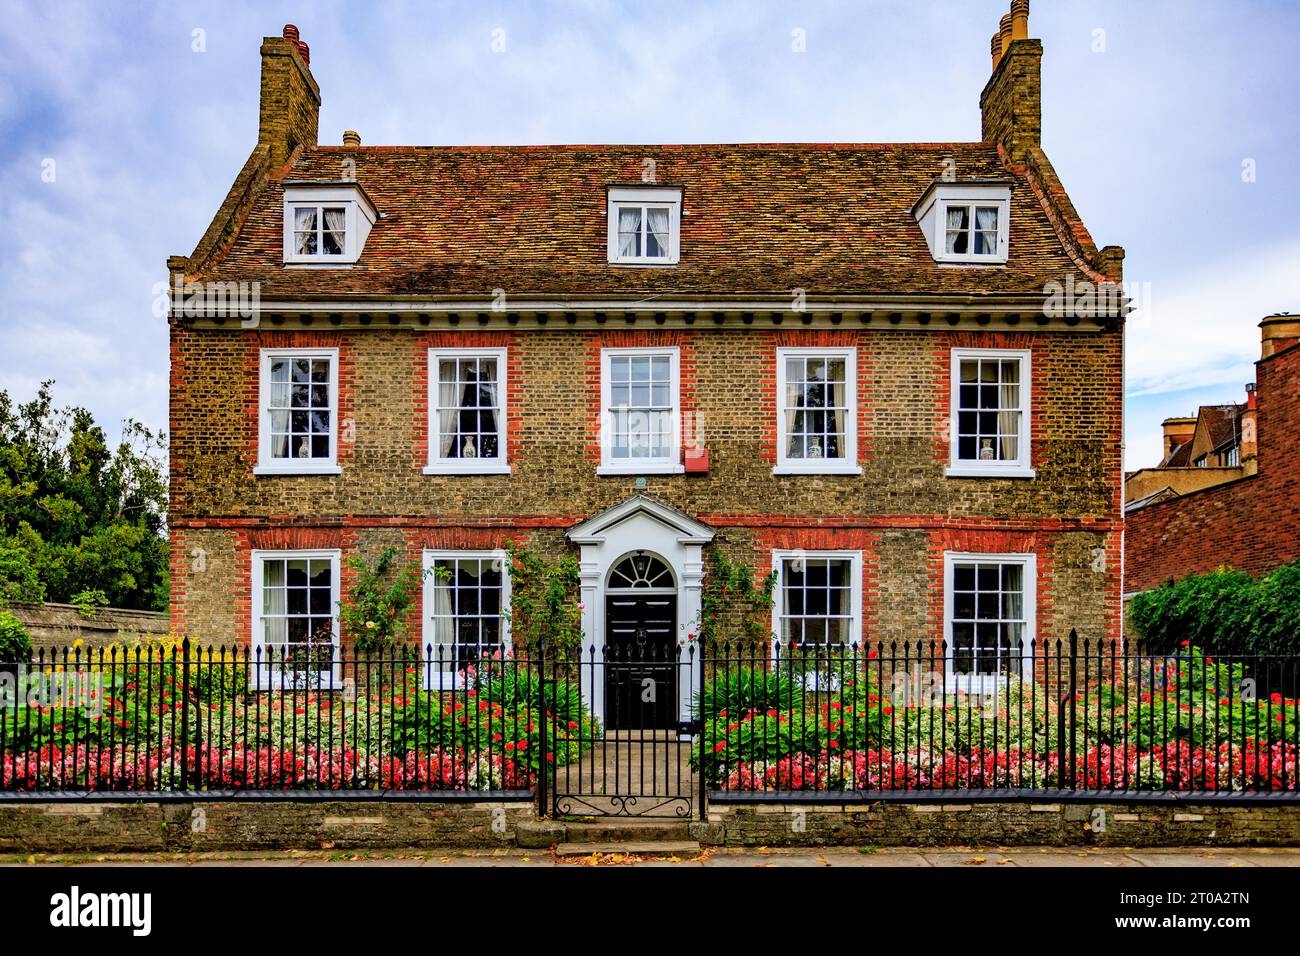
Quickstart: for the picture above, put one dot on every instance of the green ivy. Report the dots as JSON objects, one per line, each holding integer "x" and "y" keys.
{"x": 732, "y": 589}
{"x": 544, "y": 607}
{"x": 375, "y": 611}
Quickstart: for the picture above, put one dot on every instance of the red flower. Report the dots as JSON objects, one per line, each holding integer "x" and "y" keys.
{"x": 1275, "y": 698}
{"x": 719, "y": 747}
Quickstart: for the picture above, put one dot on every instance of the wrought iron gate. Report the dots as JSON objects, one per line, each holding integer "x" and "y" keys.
{"x": 633, "y": 757}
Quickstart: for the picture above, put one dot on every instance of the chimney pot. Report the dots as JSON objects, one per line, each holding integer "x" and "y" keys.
{"x": 995, "y": 46}
{"x": 305, "y": 51}
{"x": 1004, "y": 32}
{"x": 351, "y": 138}
{"x": 1019, "y": 19}
{"x": 290, "y": 32}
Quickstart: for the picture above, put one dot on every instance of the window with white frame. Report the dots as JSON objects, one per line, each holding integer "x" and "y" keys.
{"x": 465, "y": 595}
{"x": 816, "y": 420}
{"x": 299, "y": 411}
{"x": 990, "y": 413}
{"x": 467, "y": 413}
{"x": 295, "y": 598}
{"x": 966, "y": 223}
{"x": 989, "y": 615}
{"x": 818, "y": 598}
{"x": 644, "y": 225}
{"x": 641, "y": 411}
{"x": 325, "y": 225}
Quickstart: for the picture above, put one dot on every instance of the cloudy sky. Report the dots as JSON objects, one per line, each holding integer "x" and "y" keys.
{"x": 1172, "y": 122}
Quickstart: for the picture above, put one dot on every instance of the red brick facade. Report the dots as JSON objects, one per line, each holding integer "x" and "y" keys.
{"x": 1253, "y": 523}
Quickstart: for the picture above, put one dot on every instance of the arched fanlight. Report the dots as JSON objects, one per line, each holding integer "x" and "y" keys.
{"x": 641, "y": 570}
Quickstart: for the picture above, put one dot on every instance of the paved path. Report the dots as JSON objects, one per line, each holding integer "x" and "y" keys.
{"x": 762, "y": 857}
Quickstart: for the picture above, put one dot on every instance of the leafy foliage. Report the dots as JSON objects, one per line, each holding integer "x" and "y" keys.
{"x": 733, "y": 591}
{"x": 1224, "y": 611}
{"x": 544, "y": 607}
{"x": 744, "y": 688}
{"x": 374, "y": 612}
{"x": 75, "y": 515}
{"x": 15, "y": 645}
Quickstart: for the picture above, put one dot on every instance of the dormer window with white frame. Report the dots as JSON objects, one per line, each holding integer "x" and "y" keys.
{"x": 326, "y": 225}
{"x": 644, "y": 226}
{"x": 966, "y": 224}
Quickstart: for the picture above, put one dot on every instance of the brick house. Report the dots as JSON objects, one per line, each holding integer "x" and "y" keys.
{"x": 1251, "y": 520}
{"x": 831, "y": 361}
{"x": 1216, "y": 446}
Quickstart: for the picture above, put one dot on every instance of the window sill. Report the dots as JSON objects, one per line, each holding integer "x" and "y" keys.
{"x": 483, "y": 468}
{"x": 826, "y": 469}
{"x": 649, "y": 468}
{"x": 972, "y": 262}
{"x": 652, "y": 263}
{"x": 975, "y": 471}
{"x": 289, "y": 470}
{"x": 319, "y": 264}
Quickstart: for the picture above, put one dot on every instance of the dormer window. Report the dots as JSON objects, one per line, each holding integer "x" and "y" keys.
{"x": 326, "y": 224}
{"x": 966, "y": 224}
{"x": 320, "y": 231}
{"x": 644, "y": 226}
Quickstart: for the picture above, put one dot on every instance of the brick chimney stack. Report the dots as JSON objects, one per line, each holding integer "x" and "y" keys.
{"x": 290, "y": 106}
{"x": 1011, "y": 104}
{"x": 1177, "y": 431}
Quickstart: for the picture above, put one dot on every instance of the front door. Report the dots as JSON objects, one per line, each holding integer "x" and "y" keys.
{"x": 641, "y": 661}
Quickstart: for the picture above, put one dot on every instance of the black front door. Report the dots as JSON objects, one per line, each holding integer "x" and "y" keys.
{"x": 640, "y": 661}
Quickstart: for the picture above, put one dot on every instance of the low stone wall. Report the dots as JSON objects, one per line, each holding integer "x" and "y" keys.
{"x": 85, "y": 826}
{"x": 1003, "y": 824}
{"x": 223, "y": 825}
{"x": 56, "y": 626}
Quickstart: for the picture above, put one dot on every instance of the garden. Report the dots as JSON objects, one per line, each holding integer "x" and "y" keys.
{"x": 1184, "y": 722}
{"x": 156, "y": 718}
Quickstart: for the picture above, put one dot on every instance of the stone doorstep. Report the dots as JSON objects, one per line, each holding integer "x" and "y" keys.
{"x": 620, "y": 831}
{"x": 677, "y": 848}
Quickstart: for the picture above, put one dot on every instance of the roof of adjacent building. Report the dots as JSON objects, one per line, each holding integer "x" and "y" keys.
{"x": 1222, "y": 427}
{"x": 758, "y": 219}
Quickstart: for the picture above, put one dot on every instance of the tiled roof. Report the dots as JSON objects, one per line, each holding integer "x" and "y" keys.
{"x": 1222, "y": 422}
{"x": 763, "y": 219}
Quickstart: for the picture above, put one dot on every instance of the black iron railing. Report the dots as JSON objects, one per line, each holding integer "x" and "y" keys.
{"x": 169, "y": 718}
{"x": 893, "y": 719}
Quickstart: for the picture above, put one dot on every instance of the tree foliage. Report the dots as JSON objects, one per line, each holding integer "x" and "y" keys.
{"x": 76, "y": 515}
{"x": 1223, "y": 612}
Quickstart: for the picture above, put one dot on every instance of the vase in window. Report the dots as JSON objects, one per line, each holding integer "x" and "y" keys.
{"x": 986, "y": 450}
{"x": 814, "y": 449}
{"x": 468, "y": 450}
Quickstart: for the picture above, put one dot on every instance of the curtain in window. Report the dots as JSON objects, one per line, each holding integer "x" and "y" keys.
{"x": 335, "y": 220}
{"x": 836, "y": 420}
{"x": 986, "y": 222}
{"x": 444, "y": 623}
{"x": 1009, "y": 416}
{"x": 629, "y": 232}
{"x": 275, "y": 631}
{"x": 956, "y": 229}
{"x": 447, "y": 410}
{"x": 304, "y": 224}
{"x": 658, "y": 225}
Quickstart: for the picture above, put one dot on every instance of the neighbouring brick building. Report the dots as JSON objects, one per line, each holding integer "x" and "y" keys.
{"x": 840, "y": 362}
{"x": 1251, "y": 521}
{"x": 1216, "y": 446}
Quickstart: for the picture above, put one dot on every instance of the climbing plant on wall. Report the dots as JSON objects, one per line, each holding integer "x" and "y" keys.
{"x": 734, "y": 594}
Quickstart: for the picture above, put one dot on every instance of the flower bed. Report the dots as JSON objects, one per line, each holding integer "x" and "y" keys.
{"x": 1166, "y": 724}
{"x": 159, "y": 724}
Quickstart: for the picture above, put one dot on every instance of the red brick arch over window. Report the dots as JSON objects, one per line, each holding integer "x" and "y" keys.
{"x": 1040, "y": 349}
{"x": 637, "y": 338}
{"x": 811, "y": 339}
{"x": 298, "y": 339}
{"x": 470, "y": 339}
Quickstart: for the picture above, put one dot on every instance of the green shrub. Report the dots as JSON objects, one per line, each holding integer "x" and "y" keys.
{"x": 15, "y": 645}
{"x": 741, "y": 689}
{"x": 1223, "y": 612}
